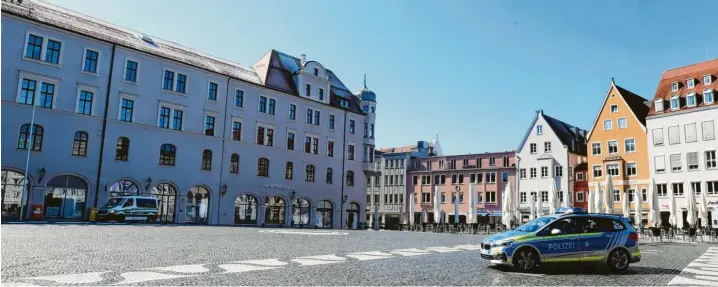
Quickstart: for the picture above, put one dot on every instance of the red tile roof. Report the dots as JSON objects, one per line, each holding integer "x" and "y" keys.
{"x": 400, "y": 149}
{"x": 680, "y": 75}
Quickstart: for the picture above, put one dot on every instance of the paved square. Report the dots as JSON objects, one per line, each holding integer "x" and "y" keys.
{"x": 206, "y": 255}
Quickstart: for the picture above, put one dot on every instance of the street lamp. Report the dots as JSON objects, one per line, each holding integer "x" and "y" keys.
{"x": 43, "y": 171}
{"x": 224, "y": 189}
{"x": 344, "y": 199}
{"x": 292, "y": 195}
{"x": 148, "y": 183}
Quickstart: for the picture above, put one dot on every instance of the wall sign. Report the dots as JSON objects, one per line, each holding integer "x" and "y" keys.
{"x": 276, "y": 186}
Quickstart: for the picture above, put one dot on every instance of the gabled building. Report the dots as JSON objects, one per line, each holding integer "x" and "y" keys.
{"x": 548, "y": 153}
{"x": 580, "y": 186}
{"x": 682, "y": 138}
{"x": 617, "y": 146}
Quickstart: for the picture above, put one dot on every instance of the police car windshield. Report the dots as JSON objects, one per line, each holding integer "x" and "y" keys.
{"x": 113, "y": 202}
{"x": 535, "y": 224}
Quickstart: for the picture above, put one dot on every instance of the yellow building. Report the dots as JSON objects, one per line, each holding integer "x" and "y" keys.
{"x": 617, "y": 146}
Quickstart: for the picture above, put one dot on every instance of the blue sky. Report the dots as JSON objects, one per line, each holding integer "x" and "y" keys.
{"x": 473, "y": 71}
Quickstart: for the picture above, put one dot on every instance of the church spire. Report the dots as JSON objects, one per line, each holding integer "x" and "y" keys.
{"x": 365, "y": 80}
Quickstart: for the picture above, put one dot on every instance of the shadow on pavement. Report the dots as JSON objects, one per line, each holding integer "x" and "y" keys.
{"x": 590, "y": 270}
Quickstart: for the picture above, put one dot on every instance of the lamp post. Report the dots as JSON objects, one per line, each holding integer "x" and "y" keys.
{"x": 222, "y": 192}
{"x": 43, "y": 171}
{"x": 29, "y": 144}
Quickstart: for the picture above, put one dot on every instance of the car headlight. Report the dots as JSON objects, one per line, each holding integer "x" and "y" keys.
{"x": 112, "y": 211}
{"x": 503, "y": 243}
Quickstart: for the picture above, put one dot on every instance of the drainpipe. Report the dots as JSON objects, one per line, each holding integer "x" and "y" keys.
{"x": 344, "y": 147}
{"x": 221, "y": 154}
{"x": 104, "y": 126}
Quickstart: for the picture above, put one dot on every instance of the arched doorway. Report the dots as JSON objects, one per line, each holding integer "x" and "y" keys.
{"x": 12, "y": 183}
{"x": 65, "y": 197}
{"x": 325, "y": 214}
{"x": 245, "y": 209}
{"x": 353, "y": 216}
{"x": 166, "y": 196}
{"x": 124, "y": 187}
{"x": 274, "y": 213}
{"x": 197, "y": 205}
{"x": 301, "y": 209}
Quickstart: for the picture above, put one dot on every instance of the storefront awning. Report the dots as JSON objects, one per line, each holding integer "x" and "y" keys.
{"x": 496, "y": 213}
{"x": 482, "y": 213}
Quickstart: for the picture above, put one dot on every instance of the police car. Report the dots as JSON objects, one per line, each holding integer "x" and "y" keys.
{"x": 568, "y": 236}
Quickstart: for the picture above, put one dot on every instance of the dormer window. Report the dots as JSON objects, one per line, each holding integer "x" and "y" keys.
{"x": 690, "y": 83}
{"x": 614, "y": 109}
{"x": 707, "y": 79}
{"x": 316, "y": 72}
{"x": 308, "y": 91}
{"x": 691, "y": 100}
{"x": 708, "y": 96}
{"x": 675, "y": 103}
{"x": 658, "y": 107}
{"x": 674, "y": 87}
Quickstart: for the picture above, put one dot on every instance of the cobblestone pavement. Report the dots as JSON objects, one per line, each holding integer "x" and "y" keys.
{"x": 71, "y": 254}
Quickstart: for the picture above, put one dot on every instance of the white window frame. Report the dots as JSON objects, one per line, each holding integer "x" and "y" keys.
{"x": 685, "y": 132}
{"x": 612, "y": 111}
{"x": 39, "y": 80}
{"x": 579, "y": 196}
{"x": 625, "y": 145}
{"x": 84, "y": 56}
{"x": 266, "y": 136}
{"x": 579, "y": 176}
{"x": 492, "y": 201}
{"x": 137, "y": 73}
{"x": 217, "y": 122}
{"x": 618, "y": 168}
{"x": 174, "y": 80}
{"x": 678, "y": 133}
{"x": 539, "y": 129}
{"x": 661, "y": 158}
{"x": 134, "y": 108}
{"x": 600, "y": 148}
{"x": 610, "y": 125}
{"x": 695, "y": 101}
{"x": 715, "y": 159}
{"x": 231, "y": 128}
{"x": 608, "y": 147}
{"x": 636, "y": 166}
{"x": 593, "y": 170}
{"x": 713, "y": 95}
{"x": 675, "y": 97}
{"x": 547, "y": 147}
{"x": 87, "y": 88}
{"x": 487, "y": 177}
{"x": 675, "y": 86}
{"x": 209, "y": 85}
{"x": 707, "y": 79}
{"x": 531, "y": 150}
{"x": 289, "y": 110}
{"x": 547, "y": 172}
{"x": 334, "y": 142}
{"x": 625, "y": 123}
{"x": 704, "y": 134}
{"x": 43, "y": 49}
{"x": 698, "y": 160}
{"x": 691, "y": 83}
{"x": 355, "y": 150}
{"x": 335, "y": 122}
{"x": 663, "y": 137}
{"x": 670, "y": 162}
{"x": 174, "y": 107}
{"x": 658, "y": 106}
{"x": 681, "y": 184}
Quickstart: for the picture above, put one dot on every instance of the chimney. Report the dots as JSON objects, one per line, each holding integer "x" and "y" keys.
{"x": 540, "y": 112}
{"x": 304, "y": 59}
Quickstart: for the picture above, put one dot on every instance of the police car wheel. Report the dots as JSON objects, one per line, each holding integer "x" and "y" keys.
{"x": 618, "y": 260}
{"x": 525, "y": 259}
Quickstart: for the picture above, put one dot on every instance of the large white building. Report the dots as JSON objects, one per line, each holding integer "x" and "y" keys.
{"x": 116, "y": 111}
{"x": 682, "y": 138}
{"x": 548, "y": 153}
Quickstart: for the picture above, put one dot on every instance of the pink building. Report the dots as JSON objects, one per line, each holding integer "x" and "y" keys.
{"x": 489, "y": 172}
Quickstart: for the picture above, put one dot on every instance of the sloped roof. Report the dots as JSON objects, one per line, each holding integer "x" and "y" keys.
{"x": 399, "y": 149}
{"x": 680, "y": 75}
{"x": 570, "y": 136}
{"x": 545, "y": 156}
{"x": 636, "y": 103}
{"x": 581, "y": 166}
{"x": 613, "y": 158}
{"x": 277, "y": 76}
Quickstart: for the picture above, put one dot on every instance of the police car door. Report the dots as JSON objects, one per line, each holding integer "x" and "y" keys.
{"x": 595, "y": 235}
{"x": 558, "y": 242}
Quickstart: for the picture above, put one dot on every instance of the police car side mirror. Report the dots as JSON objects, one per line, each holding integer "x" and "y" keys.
{"x": 555, "y": 231}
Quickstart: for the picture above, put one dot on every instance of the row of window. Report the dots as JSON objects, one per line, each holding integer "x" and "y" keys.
{"x": 395, "y": 163}
{"x": 534, "y": 149}
{"x": 614, "y": 170}
{"x": 478, "y": 163}
{"x": 689, "y": 133}
{"x": 629, "y": 146}
{"x": 397, "y": 179}
{"x": 33, "y": 138}
{"x": 608, "y": 124}
{"x": 544, "y": 196}
{"x": 557, "y": 172}
{"x": 691, "y": 83}
{"x": 489, "y": 199}
{"x": 692, "y": 161}
{"x": 459, "y": 178}
{"x": 691, "y": 100}
{"x": 696, "y": 187}
{"x": 388, "y": 199}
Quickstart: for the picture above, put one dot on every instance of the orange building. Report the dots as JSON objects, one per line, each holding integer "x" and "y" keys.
{"x": 617, "y": 146}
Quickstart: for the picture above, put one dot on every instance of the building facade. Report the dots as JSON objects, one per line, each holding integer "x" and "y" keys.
{"x": 580, "y": 186}
{"x": 617, "y": 148}
{"x": 547, "y": 155}
{"x": 109, "y": 111}
{"x": 386, "y": 191}
{"x": 682, "y": 138}
{"x": 489, "y": 173}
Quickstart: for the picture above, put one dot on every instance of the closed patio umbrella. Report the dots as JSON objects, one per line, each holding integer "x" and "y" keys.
{"x": 375, "y": 224}
{"x": 505, "y": 216}
{"x": 608, "y": 195}
{"x": 456, "y": 210}
{"x": 532, "y": 212}
{"x": 654, "y": 216}
{"x": 590, "y": 201}
{"x": 411, "y": 208}
{"x": 703, "y": 209}
{"x": 625, "y": 205}
{"x": 539, "y": 205}
{"x": 672, "y": 219}
{"x": 472, "y": 205}
{"x": 598, "y": 203}
{"x": 566, "y": 198}
{"x": 691, "y": 207}
{"x": 638, "y": 206}
{"x": 402, "y": 215}
{"x": 437, "y": 205}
